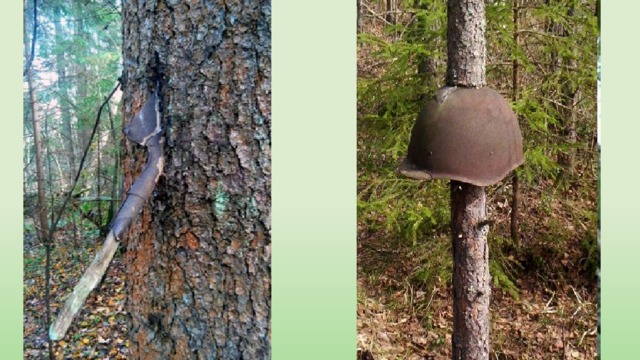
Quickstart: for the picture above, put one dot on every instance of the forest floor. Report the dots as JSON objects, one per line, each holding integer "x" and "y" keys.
{"x": 98, "y": 332}
{"x": 540, "y": 325}
{"x": 549, "y": 317}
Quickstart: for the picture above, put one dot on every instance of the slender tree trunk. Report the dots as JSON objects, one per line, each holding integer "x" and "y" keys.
{"x": 98, "y": 176}
{"x": 466, "y": 47}
{"x": 115, "y": 175}
{"x": 359, "y": 16}
{"x": 568, "y": 93}
{"x": 515, "y": 65}
{"x": 64, "y": 110}
{"x": 427, "y": 65}
{"x": 43, "y": 229}
{"x": 471, "y": 290}
{"x": 37, "y": 140}
{"x": 198, "y": 260}
{"x": 514, "y": 82}
{"x": 570, "y": 96}
{"x": 84, "y": 120}
{"x": 390, "y": 15}
{"x": 44, "y": 234}
{"x": 515, "y": 234}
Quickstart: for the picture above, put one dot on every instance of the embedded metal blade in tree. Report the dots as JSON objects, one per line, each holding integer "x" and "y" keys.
{"x": 146, "y": 130}
{"x": 146, "y": 123}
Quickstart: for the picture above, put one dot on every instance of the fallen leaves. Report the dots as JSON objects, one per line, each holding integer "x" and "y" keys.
{"x": 398, "y": 318}
{"x": 99, "y": 331}
{"x": 523, "y": 329}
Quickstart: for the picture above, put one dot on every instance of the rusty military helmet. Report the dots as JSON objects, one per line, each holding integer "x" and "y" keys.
{"x": 464, "y": 134}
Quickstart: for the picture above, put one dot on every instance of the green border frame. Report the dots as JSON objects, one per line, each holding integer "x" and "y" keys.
{"x": 11, "y": 182}
{"x": 314, "y": 179}
{"x": 620, "y": 210}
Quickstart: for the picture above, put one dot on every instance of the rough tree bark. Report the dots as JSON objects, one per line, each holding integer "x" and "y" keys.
{"x": 466, "y": 46}
{"x": 471, "y": 291}
{"x": 198, "y": 260}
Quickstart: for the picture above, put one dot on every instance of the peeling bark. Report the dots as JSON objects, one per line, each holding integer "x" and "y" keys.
{"x": 198, "y": 262}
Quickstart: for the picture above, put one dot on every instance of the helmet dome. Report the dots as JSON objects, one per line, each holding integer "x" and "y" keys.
{"x": 464, "y": 134}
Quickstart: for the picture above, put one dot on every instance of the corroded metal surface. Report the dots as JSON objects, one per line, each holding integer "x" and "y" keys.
{"x": 464, "y": 134}
{"x": 146, "y": 124}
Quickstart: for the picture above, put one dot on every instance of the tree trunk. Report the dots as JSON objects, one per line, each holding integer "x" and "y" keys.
{"x": 37, "y": 144}
{"x": 43, "y": 229}
{"x": 514, "y": 82}
{"x": 466, "y": 46}
{"x": 64, "y": 98}
{"x": 390, "y": 16}
{"x": 198, "y": 260}
{"x": 570, "y": 97}
{"x": 81, "y": 73}
{"x": 359, "y": 16}
{"x": 565, "y": 65}
{"x": 427, "y": 64}
{"x": 471, "y": 290}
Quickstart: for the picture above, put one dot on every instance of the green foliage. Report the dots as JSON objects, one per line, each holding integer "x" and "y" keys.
{"x": 409, "y": 211}
{"x": 33, "y": 264}
{"x": 591, "y": 250}
{"x": 29, "y": 228}
{"x": 538, "y": 162}
{"x": 397, "y": 91}
{"x": 503, "y": 265}
{"x": 389, "y": 102}
{"x": 76, "y": 64}
{"x": 436, "y": 263}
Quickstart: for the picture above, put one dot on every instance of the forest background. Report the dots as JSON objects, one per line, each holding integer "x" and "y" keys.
{"x": 619, "y": 216}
